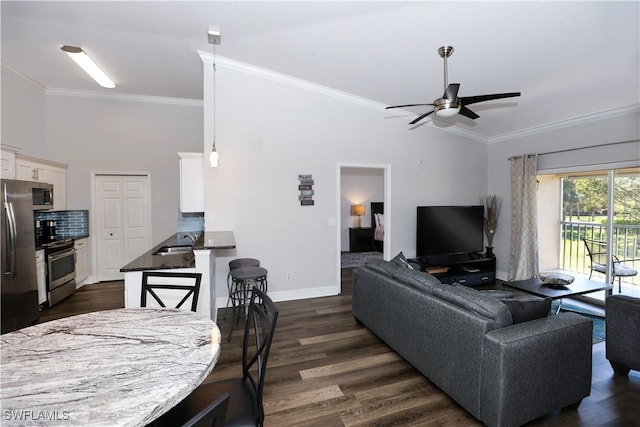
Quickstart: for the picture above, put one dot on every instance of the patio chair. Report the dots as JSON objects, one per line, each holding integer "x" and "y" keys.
{"x": 598, "y": 255}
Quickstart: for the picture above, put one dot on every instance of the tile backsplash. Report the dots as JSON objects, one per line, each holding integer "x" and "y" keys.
{"x": 68, "y": 223}
{"x": 190, "y": 222}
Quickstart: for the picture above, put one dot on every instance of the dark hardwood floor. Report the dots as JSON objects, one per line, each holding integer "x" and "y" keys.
{"x": 325, "y": 370}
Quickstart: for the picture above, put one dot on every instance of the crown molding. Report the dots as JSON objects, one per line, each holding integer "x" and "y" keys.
{"x": 275, "y": 76}
{"x": 286, "y": 79}
{"x": 22, "y": 76}
{"x": 123, "y": 97}
{"x": 99, "y": 95}
{"x": 587, "y": 118}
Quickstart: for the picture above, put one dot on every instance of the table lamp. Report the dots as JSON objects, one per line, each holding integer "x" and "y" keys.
{"x": 357, "y": 211}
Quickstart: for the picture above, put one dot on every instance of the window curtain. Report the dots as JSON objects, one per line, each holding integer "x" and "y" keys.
{"x": 523, "y": 262}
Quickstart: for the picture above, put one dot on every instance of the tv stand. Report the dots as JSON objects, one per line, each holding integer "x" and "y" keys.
{"x": 469, "y": 269}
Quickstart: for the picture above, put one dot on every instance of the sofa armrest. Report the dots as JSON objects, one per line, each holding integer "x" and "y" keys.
{"x": 622, "y": 326}
{"x": 535, "y": 367}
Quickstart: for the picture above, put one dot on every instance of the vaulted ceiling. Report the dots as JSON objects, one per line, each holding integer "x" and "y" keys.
{"x": 569, "y": 59}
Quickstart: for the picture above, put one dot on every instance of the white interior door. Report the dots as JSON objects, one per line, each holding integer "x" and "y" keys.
{"x": 122, "y": 222}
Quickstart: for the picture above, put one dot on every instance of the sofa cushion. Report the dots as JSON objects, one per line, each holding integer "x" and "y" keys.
{"x": 417, "y": 279}
{"x": 527, "y": 308}
{"x": 496, "y": 293}
{"x": 381, "y": 266}
{"x": 472, "y": 300}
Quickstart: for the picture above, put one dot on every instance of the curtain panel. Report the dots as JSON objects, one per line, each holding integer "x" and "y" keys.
{"x": 523, "y": 261}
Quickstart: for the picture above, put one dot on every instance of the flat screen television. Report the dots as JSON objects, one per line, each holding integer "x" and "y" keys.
{"x": 447, "y": 230}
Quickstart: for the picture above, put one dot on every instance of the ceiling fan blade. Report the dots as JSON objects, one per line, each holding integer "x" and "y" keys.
{"x": 420, "y": 118}
{"x": 468, "y": 100}
{"x": 467, "y": 113}
{"x": 451, "y": 93}
{"x": 407, "y": 105}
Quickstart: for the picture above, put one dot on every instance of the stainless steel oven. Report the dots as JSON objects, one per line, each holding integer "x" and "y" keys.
{"x": 60, "y": 258}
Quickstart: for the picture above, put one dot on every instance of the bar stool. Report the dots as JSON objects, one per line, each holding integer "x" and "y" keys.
{"x": 238, "y": 263}
{"x": 243, "y": 279}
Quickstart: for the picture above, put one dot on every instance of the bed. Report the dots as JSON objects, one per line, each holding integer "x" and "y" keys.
{"x": 377, "y": 222}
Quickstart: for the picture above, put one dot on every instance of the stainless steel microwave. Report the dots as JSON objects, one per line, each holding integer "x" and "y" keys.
{"x": 42, "y": 196}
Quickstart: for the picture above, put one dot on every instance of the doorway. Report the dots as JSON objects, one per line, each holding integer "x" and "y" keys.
{"x": 121, "y": 222}
{"x": 368, "y": 185}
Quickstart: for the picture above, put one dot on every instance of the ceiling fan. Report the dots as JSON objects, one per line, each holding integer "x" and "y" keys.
{"x": 450, "y": 104}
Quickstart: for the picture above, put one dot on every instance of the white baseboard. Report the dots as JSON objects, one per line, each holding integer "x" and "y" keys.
{"x": 296, "y": 294}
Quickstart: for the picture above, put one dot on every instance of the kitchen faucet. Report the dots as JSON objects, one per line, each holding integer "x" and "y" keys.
{"x": 192, "y": 236}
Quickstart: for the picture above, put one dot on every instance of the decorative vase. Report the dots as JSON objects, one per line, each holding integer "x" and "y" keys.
{"x": 489, "y": 252}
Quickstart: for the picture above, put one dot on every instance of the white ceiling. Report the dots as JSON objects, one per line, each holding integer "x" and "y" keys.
{"x": 569, "y": 59}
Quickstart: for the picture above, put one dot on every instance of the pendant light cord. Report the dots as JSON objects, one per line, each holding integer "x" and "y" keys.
{"x": 214, "y": 96}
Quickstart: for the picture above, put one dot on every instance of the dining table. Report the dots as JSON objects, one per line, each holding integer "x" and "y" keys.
{"x": 123, "y": 367}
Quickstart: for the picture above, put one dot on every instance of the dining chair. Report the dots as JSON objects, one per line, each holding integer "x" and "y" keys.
{"x": 213, "y": 415}
{"x": 598, "y": 256}
{"x": 245, "y": 402}
{"x": 172, "y": 286}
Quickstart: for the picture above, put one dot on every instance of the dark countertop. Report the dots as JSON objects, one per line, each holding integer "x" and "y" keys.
{"x": 210, "y": 240}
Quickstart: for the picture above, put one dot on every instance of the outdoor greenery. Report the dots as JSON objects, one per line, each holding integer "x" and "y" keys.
{"x": 584, "y": 215}
{"x": 587, "y": 197}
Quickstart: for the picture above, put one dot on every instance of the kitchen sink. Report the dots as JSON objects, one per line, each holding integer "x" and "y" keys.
{"x": 172, "y": 250}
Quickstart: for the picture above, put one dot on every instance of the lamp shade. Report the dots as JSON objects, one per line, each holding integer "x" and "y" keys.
{"x": 357, "y": 210}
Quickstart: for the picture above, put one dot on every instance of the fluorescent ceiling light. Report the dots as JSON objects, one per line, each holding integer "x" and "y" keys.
{"x": 90, "y": 67}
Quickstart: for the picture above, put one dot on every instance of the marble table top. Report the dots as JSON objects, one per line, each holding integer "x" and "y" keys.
{"x": 123, "y": 367}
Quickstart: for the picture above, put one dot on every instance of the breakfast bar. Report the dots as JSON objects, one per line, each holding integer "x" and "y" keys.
{"x": 181, "y": 253}
{"x": 123, "y": 367}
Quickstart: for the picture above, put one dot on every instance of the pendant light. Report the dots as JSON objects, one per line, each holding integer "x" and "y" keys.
{"x": 214, "y": 39}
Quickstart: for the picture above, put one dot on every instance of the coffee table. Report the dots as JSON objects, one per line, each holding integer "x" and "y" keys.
{"x": 579, "y": 286}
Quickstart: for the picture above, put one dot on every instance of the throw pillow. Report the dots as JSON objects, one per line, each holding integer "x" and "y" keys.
{"x": 528, "y": 308}
{"x": 401, "y": 261}
{"x": 472, "y": 300}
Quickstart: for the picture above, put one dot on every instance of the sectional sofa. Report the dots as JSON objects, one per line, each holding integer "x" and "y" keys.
{"x": 505, "y": 360}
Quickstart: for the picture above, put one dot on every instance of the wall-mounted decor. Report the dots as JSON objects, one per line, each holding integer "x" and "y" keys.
{"x": 306, "y": 190}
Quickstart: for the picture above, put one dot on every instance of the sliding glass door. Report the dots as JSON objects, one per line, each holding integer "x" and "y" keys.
{"x": 600, "y": 227}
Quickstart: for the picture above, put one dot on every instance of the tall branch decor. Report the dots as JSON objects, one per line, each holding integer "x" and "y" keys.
{"x": 491, "y": 213}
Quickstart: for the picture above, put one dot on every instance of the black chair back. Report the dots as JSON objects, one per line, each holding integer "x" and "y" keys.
{"x": 188, "y": 291}
{"x": 211, "y": 416}
{"x": 258, "y": 335}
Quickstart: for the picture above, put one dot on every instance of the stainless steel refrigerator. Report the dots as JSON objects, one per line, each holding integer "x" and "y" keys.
{"x": 19, "y": 288}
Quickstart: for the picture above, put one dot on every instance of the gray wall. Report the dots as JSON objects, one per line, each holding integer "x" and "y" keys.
{"x": 104, "y": 135}
{"x": 269, "y": 131}
{"x": 23, "y": 114}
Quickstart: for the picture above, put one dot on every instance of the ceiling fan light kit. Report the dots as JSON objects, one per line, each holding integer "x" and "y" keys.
{"x": 450, "y": 104}
{"x": 446, "y": 108}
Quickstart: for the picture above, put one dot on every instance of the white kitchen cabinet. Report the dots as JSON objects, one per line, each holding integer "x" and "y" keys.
{"x": 32, "y": 169}
{"x": 8, "y": 163}
{"x": 82, "y": 270}
{"x": 41, "y": 274}
{"x": 191, "y": 182}
{"x": 58, "y": 177}
{"x": 29, "y": 170}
